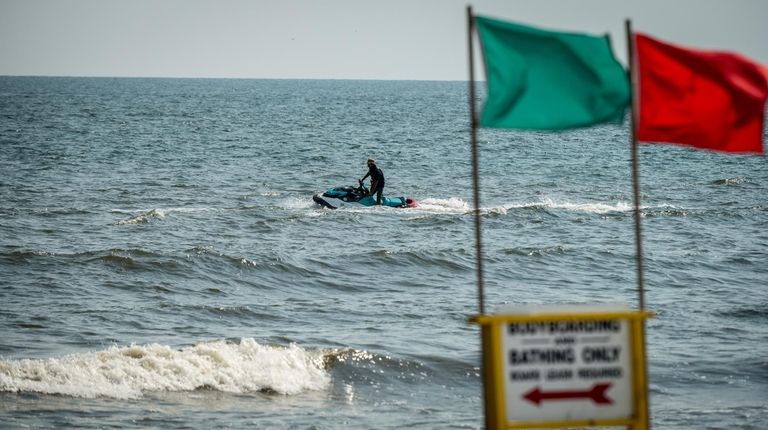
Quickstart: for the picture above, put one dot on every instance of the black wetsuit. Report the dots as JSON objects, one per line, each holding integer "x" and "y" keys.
{"x": 377, "y": 181}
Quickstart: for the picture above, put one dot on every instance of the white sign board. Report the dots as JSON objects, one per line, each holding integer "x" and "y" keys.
{"x": 567, "y": 370}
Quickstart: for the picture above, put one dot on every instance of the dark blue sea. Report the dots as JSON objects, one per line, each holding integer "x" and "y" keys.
{"x": 163, "y": 265}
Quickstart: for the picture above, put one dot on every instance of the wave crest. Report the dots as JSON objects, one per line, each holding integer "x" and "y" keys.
{"x": 147, "y": 216}
{"x": 128, "y": 372}
{"x": 144, "y": 217}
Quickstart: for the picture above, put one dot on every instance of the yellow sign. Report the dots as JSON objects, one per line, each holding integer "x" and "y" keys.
{"x": 565, "y": 366}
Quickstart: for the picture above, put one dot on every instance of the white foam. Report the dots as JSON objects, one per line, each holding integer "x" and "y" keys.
{"x": 459, "y": 206}
{"x": 297, "y": 203}
{"x": 598, "y": 208}
{"x": 128, "y": 372}
{"x": 451, "y": 205}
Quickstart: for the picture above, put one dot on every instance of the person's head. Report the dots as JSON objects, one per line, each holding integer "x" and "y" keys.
{"x": 371, "y": 162}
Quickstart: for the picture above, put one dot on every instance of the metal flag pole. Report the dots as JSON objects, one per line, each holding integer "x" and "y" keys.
{"x": 635, "y": 169}
{"x": 475, "y": 173}
{"x": 646, "y": 412}
{"x": 486, "y": 336}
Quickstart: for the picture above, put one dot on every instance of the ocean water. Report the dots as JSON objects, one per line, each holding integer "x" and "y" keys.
{"x": 162, "y": 264}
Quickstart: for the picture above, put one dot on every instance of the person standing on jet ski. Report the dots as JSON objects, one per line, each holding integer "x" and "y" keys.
{"x": 377, "y": 180}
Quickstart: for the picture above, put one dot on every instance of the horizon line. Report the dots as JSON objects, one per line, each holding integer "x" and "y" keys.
{"x": 231, "y": 78}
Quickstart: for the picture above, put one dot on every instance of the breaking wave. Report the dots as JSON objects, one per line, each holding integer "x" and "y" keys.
{"x": 128, "y": 372}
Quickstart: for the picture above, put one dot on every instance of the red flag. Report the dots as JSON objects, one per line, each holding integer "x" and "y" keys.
{"x": 705, "y": 99}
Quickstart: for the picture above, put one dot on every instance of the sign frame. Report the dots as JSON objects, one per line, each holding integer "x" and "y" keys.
{"x": 493, "y": 363}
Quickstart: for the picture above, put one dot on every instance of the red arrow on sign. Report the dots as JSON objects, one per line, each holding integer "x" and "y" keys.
{"x": 596, "y": 394}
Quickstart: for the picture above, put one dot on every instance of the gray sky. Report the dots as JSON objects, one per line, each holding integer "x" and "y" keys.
{"x": 330, "y": 39}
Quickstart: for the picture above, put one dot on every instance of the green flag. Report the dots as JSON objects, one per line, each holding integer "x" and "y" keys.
{"x": 545, "y": 80}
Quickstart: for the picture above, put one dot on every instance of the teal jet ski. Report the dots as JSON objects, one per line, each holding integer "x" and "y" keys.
{"x": 337, "y": 197}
